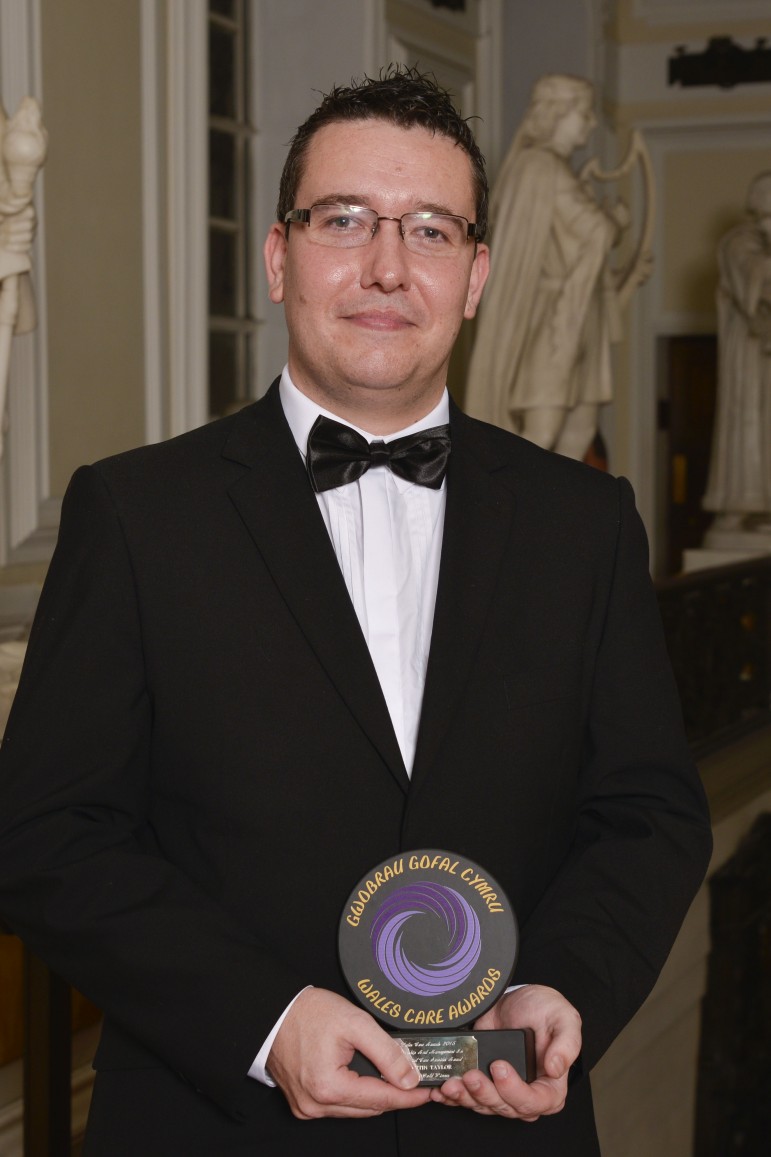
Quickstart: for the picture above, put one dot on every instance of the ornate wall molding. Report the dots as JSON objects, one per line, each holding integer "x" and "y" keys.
{"x": 699, "y": 11}
{"x": 152, "y": 215}
{"x": 464, "y": 49}
{"x": 186, "y": 213}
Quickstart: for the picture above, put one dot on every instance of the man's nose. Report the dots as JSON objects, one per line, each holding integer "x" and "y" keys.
{"x": 386, "y": 258}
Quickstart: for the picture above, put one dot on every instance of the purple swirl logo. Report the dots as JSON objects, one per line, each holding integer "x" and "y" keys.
{"x": 458, "y": 929}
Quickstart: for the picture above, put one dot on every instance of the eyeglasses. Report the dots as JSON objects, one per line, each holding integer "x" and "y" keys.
{"x": 351, "y": 226}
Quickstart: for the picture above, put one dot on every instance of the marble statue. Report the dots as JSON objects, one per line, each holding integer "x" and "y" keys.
{"x": 23, "y": 143}
{"x": 739, "y": 482}
{"x": 541, "y": 361}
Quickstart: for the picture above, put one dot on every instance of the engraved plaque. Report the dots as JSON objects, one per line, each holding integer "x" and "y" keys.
{"x": 437, "y": 1058}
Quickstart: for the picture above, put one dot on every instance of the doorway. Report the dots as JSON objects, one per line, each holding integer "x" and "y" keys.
{"x": 685, "y": 418}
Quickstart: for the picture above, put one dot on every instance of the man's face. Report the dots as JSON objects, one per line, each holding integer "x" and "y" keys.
{"x": 371, "y": 329}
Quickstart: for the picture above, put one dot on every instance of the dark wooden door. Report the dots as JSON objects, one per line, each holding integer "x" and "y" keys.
{"x": 686, "y": 413}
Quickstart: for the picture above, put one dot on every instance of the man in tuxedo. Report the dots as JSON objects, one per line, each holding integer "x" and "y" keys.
{"x": 343, "y": 623}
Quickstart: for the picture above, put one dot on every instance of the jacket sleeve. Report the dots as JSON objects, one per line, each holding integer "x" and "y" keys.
{"x": 642, "y": 837}
{"x": 82, "y": 879}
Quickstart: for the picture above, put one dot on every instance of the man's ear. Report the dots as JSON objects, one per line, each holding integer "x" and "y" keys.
{"x": 479, "y": 271}
{"x": 274, "y": 252}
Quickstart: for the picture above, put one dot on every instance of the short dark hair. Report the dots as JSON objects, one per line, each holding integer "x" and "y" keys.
{"x": 404, "y": 97}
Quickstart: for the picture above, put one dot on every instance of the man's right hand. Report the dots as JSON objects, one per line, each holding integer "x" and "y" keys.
{"x": 310, "y": 1056}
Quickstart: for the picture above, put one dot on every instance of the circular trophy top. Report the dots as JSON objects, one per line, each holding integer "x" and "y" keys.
{"x": 427, "y": 939}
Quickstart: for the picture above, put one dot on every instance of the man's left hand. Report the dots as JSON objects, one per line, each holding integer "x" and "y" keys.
{"x": 557, "y": 1028}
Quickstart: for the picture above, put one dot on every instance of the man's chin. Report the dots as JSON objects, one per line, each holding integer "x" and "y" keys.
{"x": 377, "y": 374}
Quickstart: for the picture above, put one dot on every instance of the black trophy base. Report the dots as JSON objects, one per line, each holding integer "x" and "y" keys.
{"x": 441, "y": 1055}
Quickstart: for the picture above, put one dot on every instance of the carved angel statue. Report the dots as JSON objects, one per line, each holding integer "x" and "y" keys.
{"x": 541, "y": 360}
{"x": 23, "y": 143}
{"x": 739, "y": 483}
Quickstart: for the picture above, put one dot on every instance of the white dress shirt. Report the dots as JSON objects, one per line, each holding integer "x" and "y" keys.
{"x": 387, "y": 536}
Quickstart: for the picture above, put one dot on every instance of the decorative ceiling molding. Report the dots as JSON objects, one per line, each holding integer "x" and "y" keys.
{"x": 699, "y": 11}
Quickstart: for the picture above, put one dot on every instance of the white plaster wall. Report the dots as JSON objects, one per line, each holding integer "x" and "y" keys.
{"x": 548, "y": 36}
{"x": 301, "y": 49}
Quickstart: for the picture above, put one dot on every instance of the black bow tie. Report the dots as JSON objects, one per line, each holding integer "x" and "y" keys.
{"x": 337, "y": 454}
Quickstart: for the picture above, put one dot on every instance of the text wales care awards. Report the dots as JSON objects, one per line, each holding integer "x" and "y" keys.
{"x": 428, "y": 942}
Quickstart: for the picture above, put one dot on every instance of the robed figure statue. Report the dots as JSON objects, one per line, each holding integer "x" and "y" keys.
{"x": 739, "y": 483}
{"x": 541, "y": 362}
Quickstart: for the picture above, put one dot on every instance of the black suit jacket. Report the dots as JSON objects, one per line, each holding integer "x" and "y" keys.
{"x": 200, "y": 764}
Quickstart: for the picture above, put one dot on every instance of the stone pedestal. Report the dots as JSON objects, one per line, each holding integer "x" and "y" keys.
{"x": 754, "y": 540}
{"x": 707, "y": 556}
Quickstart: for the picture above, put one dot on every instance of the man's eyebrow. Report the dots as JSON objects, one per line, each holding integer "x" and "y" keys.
{"x": 435, "y": 207}
{"x": 341, "y": 199}
{"x": 366, "y": 203}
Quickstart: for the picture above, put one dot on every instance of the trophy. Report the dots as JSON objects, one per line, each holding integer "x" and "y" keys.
{"x": 427, "y": 942}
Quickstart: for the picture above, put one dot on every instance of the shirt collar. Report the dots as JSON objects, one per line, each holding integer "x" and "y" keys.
{"x": 301, "y": 413}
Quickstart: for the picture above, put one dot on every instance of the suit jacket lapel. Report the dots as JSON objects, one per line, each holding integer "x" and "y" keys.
{"x": 294, "y": 544}
{"x": 476, "y": 530}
